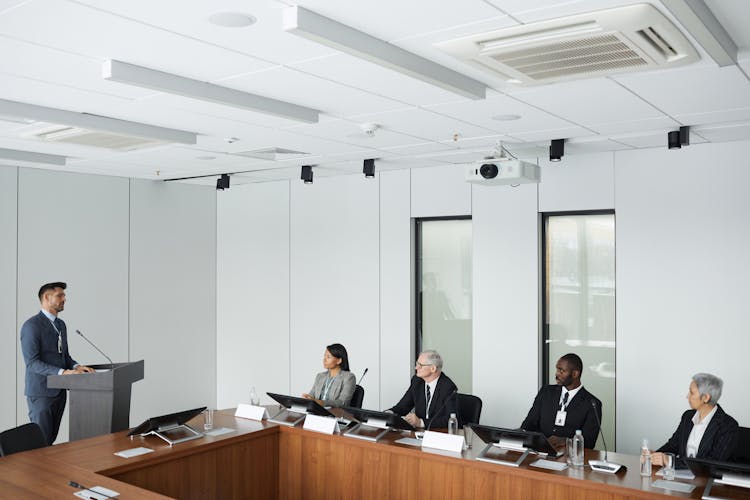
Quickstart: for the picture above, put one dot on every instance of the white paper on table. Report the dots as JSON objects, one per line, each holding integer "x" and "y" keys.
{"x": 252, "y": 412}
{"x": 549, "y": 464}
{"x": 218, "y": 432}
{"x": 326, "y": 425}
{"x": 409, "y": 441}
{"x": 678, "y": 474}
{"x": 133, "y": 452}
{"x": 442, "y": 441}
{"x": 97, "y": 493}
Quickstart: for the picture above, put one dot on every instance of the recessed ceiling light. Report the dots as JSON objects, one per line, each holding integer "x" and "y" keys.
{"x": 232, "y": 19}
{"x": 506, "y": 118}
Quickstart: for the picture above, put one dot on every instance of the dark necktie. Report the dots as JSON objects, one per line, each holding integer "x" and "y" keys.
{"x": 427, "y": 399}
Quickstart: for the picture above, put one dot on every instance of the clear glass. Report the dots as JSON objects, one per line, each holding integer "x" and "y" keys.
{"x": 580, "y": 304}
{"x": 668, "y": 466}
{"x": 645, "y": 459}
{"x": 208, "y": 419}
{"x": 445, "y": 295}
{"x": 254, "y": 399}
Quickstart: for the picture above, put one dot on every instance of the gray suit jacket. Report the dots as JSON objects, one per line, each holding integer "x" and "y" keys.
{"x": 39, "y": 346}
{"x": 340, "y": 392}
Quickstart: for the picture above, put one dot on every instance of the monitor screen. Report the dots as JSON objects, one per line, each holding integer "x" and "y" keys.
{"x": 169, "y": 420}
{"x": 306, "y": 405}
{"x": 531, "y": 440}
{"x": 714, "y": 468}
{"x": 391, "y": 419}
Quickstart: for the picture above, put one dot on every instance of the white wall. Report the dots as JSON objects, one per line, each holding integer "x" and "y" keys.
{"x": 506, "y": 310}
{"x": 682, "y": 283}
{"x": 334, "y": 270}
{"x": 140, "y": 266}
{"x": 252, "y": 292}
{"x": 9, "y": 343}
{"x": 172, "y": 296}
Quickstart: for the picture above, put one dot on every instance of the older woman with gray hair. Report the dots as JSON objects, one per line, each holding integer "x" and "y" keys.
{"x": 705, "y": 431}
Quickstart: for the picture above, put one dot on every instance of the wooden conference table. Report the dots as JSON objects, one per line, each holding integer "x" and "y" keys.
{"x": 265, "y": 461}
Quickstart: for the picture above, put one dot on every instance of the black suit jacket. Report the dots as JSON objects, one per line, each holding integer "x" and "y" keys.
{"x": 443, "y": 401}
{"x": 581, "y": 415}
{"x": 717, "y": 443}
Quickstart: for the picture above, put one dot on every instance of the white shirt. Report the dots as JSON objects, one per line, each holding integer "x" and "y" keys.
{"x": 432, "y": 385}
{"x": 51, "y": 317}
{"x": 571, "y": 395}
{"x": 699, "y": 428}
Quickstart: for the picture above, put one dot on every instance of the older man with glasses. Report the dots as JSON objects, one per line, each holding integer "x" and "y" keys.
{"x": 430, "y": 399}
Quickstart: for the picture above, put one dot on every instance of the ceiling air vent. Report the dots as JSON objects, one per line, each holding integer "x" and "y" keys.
{"x": 632, "y": 38}
{"x": 84, "y": 137}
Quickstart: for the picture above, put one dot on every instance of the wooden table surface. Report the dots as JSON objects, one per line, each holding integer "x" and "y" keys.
{"x": 266, "y": 461}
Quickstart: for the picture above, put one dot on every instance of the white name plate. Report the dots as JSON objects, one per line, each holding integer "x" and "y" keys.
{"x": 251, "y": 412}
{"x": 326, "y": 425}
{"x": 442, "y": 441}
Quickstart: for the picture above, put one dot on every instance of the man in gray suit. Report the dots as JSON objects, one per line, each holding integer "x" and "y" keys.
{"x": 44, "y": 342}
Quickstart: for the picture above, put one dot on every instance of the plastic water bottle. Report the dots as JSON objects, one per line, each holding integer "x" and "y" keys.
{"x": 254, "y": 399}
{"x": 578, "y": 449}
{"x": 453, "y": 424}
{"x": 645, "y": 459}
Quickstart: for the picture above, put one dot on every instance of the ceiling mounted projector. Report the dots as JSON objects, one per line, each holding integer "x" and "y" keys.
{"x": 494, "y": 172}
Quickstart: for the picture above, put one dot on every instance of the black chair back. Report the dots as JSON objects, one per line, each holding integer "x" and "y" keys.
{"x": 22, "y": 438}
{"x": 741, "y": 452}
{"x": 357, "y": 397}
{"x": 469, "y": 409}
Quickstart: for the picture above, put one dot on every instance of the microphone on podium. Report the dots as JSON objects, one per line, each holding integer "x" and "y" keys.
{"x": 111, "y": 364}
{"x": 603, "y": 465}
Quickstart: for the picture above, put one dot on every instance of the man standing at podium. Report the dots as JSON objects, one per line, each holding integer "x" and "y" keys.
{"x": 44, "y": 342}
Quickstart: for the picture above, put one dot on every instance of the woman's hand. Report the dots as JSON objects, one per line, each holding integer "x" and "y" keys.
{"x": 657, "y": 458}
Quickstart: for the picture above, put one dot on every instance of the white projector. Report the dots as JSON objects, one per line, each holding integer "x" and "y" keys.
{"x": 494, "y": 172}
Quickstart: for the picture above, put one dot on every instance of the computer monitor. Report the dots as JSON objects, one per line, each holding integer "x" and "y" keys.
{"x": 296, "y": 409}
{"x": 513, "y": 440}
{"x": 725, "y": 473}
{"x": 170, "y": 427}
{"x": 374, "y": 424}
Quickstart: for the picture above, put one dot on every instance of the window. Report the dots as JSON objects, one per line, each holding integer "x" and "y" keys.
{"x": 579, "y": 303}
{"x": 444, "y": 294}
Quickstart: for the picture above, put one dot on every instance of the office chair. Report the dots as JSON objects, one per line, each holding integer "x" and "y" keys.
{"x": 22, "y": 438}
{"x": 469, "y": 409}
{"x": 741, "y": 451}
{"x": 357, "y": 397}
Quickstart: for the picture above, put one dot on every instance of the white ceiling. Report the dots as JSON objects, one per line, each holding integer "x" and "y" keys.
{"x": 52, "y": 53}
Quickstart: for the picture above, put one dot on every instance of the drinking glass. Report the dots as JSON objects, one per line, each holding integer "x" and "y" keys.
{"x": 208, "y": 419}
{"x": 668, "y": 467}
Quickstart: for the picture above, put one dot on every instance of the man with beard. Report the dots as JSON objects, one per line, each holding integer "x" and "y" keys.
{"x": 559, "y": 410}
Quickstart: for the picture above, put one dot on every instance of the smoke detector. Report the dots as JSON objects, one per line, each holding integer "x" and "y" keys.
{"x": 624, "y": 39}
{"x": 369, "y": 128}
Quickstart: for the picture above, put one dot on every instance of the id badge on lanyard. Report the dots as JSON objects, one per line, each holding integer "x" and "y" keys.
{"x": 560, "y": 418}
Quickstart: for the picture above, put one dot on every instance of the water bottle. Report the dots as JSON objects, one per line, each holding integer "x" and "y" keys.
{"x": 254, "y": 399}
{"x": 578, "y": 449}
{"x": 453, "y": 424}
{"x": 645, "y": 459}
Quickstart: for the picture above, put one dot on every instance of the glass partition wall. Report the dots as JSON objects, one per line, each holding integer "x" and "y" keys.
{"x": 579, "y": 303}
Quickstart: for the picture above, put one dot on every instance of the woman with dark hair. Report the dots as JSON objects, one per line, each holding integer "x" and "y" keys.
{"x": 335, "y": 386}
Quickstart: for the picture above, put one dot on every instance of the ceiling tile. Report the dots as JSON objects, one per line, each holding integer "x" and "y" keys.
{"x": 573, "y": 101}
{"x": 736, "y": 132}
{"x": 691, "y": 90}
{"x": 424, "y": 123}
{"x": 349, "y": 132}
{"x": 620, "y": 127}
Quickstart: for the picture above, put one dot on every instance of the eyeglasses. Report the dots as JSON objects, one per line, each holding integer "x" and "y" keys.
{"x": 422, "y": 365}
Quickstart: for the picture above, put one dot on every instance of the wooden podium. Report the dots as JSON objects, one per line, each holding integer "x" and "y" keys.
{"x": 99, "y": 402}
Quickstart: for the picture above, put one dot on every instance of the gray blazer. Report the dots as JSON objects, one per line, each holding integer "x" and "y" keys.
{"x": 39, "y": 346}
{"x": 341, "y": 390}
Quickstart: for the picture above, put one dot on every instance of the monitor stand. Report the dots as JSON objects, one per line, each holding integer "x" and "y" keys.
{"x": 504, "y": 456}
{"x": 174, "y": 434}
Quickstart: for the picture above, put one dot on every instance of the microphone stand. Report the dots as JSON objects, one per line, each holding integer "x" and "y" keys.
{"x": 111, "y": 364}
{"x": 603, "y": 465}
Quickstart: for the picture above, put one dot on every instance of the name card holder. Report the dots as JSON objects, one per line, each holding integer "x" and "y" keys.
{"x": 251, "y": 412}
{"x": 442, "y": 441}
{"x": 326, "y": 425}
